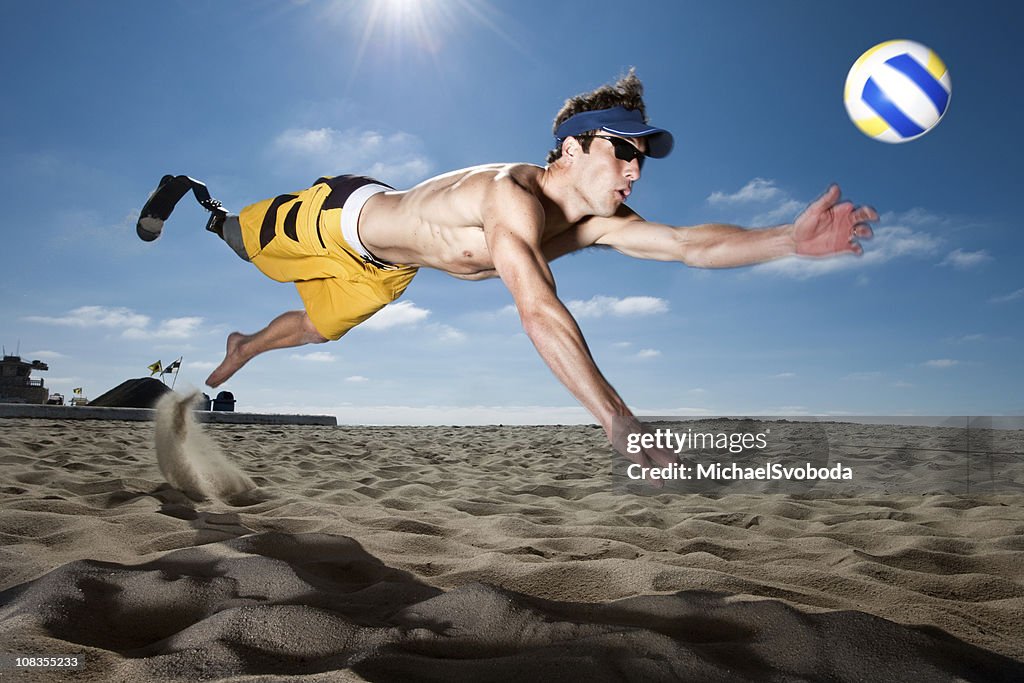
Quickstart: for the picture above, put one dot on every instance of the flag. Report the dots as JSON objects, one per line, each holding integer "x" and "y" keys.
{"x": 78, "y": 391}
{"x": 173, "y": 367}
{"x": 155, "y": 368}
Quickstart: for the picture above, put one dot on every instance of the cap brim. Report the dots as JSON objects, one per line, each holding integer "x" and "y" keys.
{"x": 659, "y": 141}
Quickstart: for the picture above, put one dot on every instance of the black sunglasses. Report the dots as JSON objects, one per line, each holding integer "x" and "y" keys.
{"x": 624, "y": 150}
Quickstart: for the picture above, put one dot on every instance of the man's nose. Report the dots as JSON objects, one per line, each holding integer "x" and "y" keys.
{"x": 633, "y": 170}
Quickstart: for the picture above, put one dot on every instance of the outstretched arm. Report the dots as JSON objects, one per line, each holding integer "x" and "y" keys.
{"x": 827, "y": 227}
{"x": 513, "y": 225}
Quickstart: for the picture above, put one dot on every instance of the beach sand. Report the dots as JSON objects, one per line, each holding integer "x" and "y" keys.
{"x": 491, "y": 553}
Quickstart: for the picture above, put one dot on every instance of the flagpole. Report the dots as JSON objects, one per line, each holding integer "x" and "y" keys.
{"x": 177, "y": 369}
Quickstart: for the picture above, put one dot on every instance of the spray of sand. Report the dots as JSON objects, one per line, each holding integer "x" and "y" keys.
{"x": 189, "y": 460}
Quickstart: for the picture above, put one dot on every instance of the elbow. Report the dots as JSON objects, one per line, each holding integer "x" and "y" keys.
{"x": 536, "y": 318}
{"x": 691, "y": 252}
{"x": 532, "y": 320}
{"x": 693, "y": 257}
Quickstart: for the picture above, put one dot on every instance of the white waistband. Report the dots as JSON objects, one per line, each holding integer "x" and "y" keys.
{"x": 350, "y": 218}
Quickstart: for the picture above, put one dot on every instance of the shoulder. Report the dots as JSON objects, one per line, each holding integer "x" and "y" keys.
{"x": 516, "y": 179}
{"x": 485, "y": 183}
{"x": 512, "y": 189}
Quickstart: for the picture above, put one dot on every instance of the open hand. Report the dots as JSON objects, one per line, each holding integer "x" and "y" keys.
{"x": 826, "y": 227}
{"x": 645, "y": 456}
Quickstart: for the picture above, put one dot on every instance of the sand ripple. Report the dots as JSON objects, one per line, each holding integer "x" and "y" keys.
{"x": 484, "y": 554}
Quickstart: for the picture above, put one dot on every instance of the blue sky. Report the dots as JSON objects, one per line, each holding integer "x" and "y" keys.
{"x": 261, "y": 98}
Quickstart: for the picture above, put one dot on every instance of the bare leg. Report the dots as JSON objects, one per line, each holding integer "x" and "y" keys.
{"x": 293, "y": 328}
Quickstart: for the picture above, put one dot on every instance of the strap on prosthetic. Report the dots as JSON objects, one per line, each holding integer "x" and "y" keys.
{"x": 170, "y": 191}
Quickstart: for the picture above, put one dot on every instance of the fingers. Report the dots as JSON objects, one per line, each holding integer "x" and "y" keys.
{"x": 646, "y": 461}
{"x": 863, "y": 232}
{"x": 829, "y": 198}
{"x": 859, "y": 232}
{"x": 661, "y": 457}
{"x": 865, "y": 214}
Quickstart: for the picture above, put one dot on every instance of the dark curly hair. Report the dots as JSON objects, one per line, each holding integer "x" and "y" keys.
{"x": 626, "y": 92}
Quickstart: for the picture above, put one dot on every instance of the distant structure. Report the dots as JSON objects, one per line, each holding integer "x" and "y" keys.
{"x": 132, "y": 393}
{"x": 16, "y": 383}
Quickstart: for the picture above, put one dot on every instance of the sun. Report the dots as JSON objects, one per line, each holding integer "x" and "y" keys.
{"x": 402, "y": 30}
{"x": 399, "y": 9}
{"x": 410, "y": 24}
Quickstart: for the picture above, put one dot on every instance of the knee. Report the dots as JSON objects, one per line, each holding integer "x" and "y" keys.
{"x": 312, "y": 334}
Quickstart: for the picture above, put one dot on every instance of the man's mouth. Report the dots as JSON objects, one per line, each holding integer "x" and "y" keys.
{"x": 623, "y": 194}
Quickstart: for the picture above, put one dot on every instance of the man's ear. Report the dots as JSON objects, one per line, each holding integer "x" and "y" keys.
{"x": 570, "y": 148}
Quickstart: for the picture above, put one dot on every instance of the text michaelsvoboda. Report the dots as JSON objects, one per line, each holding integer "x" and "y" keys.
{"x": 732, "y": 471}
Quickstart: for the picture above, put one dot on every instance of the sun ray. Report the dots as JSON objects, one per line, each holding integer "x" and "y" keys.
{"x": 399, "y": 32}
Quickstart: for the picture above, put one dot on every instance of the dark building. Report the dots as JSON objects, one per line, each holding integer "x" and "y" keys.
{"x": 16, "y": 383}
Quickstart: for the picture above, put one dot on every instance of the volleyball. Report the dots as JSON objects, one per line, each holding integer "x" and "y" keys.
{"x": 897, "y": 91}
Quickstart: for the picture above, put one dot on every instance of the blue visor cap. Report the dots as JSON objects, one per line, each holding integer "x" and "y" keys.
{"x": 629, "y": 123}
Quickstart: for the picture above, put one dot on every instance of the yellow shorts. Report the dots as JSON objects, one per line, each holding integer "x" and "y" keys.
{"x": 297, "y": 238}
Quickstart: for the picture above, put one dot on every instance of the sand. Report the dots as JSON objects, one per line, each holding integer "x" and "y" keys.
{"x": 494, "y": 553}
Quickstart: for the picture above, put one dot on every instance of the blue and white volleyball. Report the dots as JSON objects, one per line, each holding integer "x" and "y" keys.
{"x": 897, "y": 91}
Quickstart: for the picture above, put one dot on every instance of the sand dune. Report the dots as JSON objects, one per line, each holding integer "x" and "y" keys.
{"x": 492, "y": 553}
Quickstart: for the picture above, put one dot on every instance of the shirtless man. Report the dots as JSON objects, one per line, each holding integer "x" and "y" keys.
{"x": 351, "y": 245}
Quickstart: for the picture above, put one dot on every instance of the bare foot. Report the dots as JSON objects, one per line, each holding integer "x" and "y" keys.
{"x": 233, "y": 360}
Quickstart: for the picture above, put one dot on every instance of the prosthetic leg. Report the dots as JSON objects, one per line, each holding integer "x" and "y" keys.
{"x": 168, "y": 193}
{"x": 166, "y": 196}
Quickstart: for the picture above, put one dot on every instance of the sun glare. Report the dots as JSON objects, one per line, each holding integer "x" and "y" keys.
{"x": 417, "y": 24}
{"x": 401, "y": 8}
{"x": 401, "y": 30}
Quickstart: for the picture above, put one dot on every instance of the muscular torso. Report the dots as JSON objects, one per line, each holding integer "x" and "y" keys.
{"x": 439, "y": 223}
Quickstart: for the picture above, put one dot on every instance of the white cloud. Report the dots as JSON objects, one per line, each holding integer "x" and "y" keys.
{"x": 1006, "y": 298}
{"x": 921, "y": 218}
{"x": 200, "y": 364}
{"x": 447, "y": 333}
{"x": 772, "y": 205}
{"x": 644, "y": 354}
{"x": 357, "y": 379}
{"x": 503, "y": 314}
{"x": 941, "y": 363}
{"x": 361, "y": 414}
{"x": 600, "y": 306}
{"x": 54, "y": 381}
{"x": 963, "y": 260}
{"x": 45, "y": 355}
{"x": 315, "y": 357}
{"x": 622, "y": 345}
{"x": 394, "y": 158}
{"x": 133, "y": 325}
{"x": 784, "y": 375}
{"x": 967, "y": 338}
{"x": 910, "y": 234}
{"x": 396, "y": 315}
{"x": 95, "y": 316}
{"x": 172, "y": 328}
{"x": 350, "y": 414}
{"x": 786, "y": 212}
{"x": 889, "y": 243}
{"x": 757, "y": 190}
